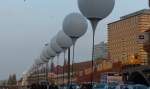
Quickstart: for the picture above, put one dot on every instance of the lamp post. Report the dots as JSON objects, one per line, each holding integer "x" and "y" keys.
{"x": 75, "y": 26}
{"x": 94, "y": 11}
{"x": 58, "y": 50}
{"x": 65, "y": 43}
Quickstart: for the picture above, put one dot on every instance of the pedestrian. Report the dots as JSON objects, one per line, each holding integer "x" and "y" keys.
{"x": 53, "y": 86}
{"x": 33, "y": 86}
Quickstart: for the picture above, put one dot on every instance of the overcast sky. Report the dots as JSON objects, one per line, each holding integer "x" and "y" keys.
{"x": 26, "y": 26}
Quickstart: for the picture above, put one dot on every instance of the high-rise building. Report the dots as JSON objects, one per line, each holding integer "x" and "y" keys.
{"x": 123, "y": 37}
{"x": 100, "y": 50}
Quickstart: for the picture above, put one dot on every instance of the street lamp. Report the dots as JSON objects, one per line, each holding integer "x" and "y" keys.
{"x": 75, "y": 26}
{"x": 94, "y": 11}
{"x": 58, "y": 50}
{"x": 65, "y": 43}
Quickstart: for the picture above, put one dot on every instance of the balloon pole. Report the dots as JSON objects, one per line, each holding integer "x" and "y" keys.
{"x": 38, "y": 73}
{"x": 64, "y": 67}
{"x": 74, "y": 39}
{"x": 68, "y": 66}
{"x": 51, "y": 69}
{"x": 94, "y": 22}
{"x": 47, "y": 71}
{"x": 73, "y": 63}
{"x": 57, "y": 67}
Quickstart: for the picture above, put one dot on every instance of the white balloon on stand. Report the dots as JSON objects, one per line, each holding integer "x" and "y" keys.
{"x": 94, "y": 11}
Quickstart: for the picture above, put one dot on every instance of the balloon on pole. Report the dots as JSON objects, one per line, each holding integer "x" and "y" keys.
{"x": 75, "y": 26}
{"x": 94, "y": 11}
{"x": 63, "y": 40}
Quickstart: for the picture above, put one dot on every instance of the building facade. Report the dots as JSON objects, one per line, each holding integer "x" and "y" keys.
{"x": 100, "y": 50}
{"x": 123, "y": 37}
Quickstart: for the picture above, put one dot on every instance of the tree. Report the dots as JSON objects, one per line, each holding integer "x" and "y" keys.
{"x": 12, "y": 79}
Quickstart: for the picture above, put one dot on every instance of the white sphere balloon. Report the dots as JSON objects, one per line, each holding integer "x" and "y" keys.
{"x": 45, "y": 54}
{"x": 38, "y": 61}
{"x": 55, "y": 46}
{"x": 75, "y": 25}
{"x": 50, "y": 51}
{"x": 63, "y": 40}
{"x": 96, "y": 8}
{"x": 43, "y": 59}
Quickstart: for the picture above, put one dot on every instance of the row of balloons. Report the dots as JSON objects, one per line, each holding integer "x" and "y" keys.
{"x": 74, "y": 26}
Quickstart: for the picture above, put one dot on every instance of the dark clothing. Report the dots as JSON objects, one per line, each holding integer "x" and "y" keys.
{"x": 53, "y": 87}
{"x": 71, "y": 87}
{"x": 33, "y": 86}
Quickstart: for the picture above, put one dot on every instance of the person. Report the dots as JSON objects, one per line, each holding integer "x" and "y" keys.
{"x": 70, "y": 87}
{"x": 53, "y": 86}
{"x": 126, "y": 87}
{"x": 28, "y": 87}
{"x": 33, "y": 86}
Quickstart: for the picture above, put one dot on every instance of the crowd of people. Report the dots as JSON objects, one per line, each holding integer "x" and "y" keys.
{"x": 41, "y": 86}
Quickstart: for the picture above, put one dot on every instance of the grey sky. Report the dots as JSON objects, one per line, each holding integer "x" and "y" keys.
{"x": 26, "y": 27}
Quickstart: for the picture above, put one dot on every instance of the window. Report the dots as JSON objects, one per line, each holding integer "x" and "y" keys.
{"x": 141, "y": 36}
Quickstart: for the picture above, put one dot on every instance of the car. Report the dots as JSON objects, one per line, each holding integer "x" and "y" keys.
{"x": 101, "y": 86}
{"x": 140, "y": 86}
{"x": 112, "y": 85}
{"x": 124, "y": 86}
{"x": 43, "y": 82}
{"x": 88, "y": 85}
{"x": 127, "y": 86}
{"x": 105, "y": 86}
{"x": 71, "y": 86}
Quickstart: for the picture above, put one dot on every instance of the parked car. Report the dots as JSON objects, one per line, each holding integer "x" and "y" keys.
{"x": 101, "y": 86}
{"x": 124, "y": 86}
{"x": 88, "y": 85}
{"x": 112, "y": 85}
{"x": 43, "y": 82}
{"x": 71, "y": 86}
{"x": 127, "y": 86}
{"x": 105, "y": 86}
{"x": 139, "y": 86}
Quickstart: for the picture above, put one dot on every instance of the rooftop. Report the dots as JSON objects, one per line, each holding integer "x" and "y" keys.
{"x": 144, "y": 11}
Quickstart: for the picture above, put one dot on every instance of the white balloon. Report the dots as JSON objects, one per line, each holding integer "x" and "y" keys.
{"x": 55, "y": 46}
{"x": 38, "y": 61}
{"x": 50, "y": 51}
{"x": 75, "y": 25}
{"x": 96, "y": 8}
{"x": 45, "y": 54}
{"x": 63, "y": 40}
{"x": 43, "y": 59}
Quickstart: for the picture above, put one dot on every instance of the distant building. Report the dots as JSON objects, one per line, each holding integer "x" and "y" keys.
{"x": 82, "y": 71}
{"x": 100, "y": 50}
{"x": 123, "y": 36}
